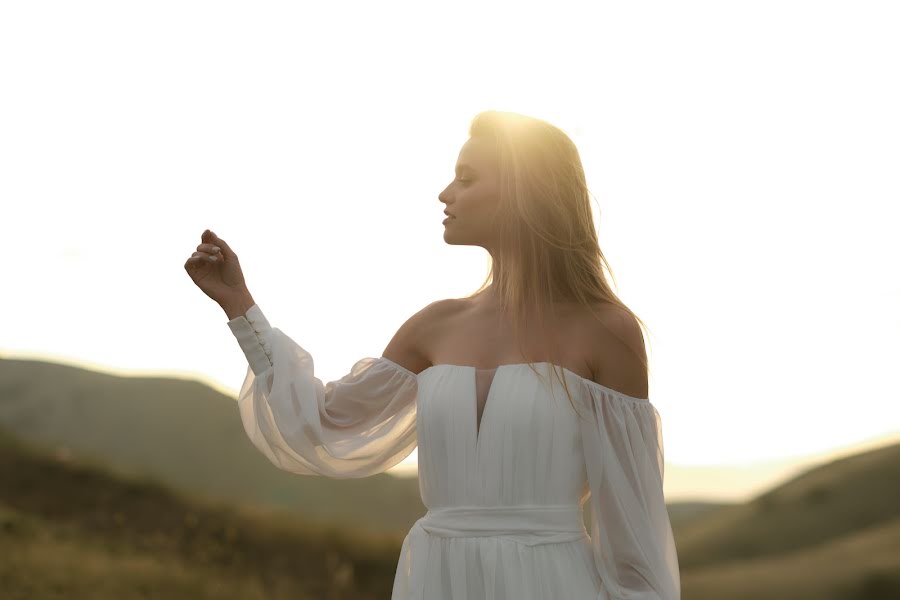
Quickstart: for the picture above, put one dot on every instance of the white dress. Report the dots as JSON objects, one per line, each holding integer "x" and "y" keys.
{"x": 504, "y": 489}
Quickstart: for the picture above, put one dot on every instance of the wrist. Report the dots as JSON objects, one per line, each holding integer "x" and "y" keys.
{"x": 238, "y": 306}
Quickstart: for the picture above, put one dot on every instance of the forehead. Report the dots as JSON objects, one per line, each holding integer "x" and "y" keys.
{"x": 477, "y": 154}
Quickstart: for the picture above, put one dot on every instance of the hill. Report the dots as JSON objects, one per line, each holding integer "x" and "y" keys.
{"x": 69, "y": 530}
{"x": 822, "y": 505}
{"x": 863, "y": 565}
{"x": 188, "y": 436}
{"x": 832, "y": 533}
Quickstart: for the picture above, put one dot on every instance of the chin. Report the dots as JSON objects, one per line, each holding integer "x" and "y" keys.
{"x": 449, "y": 239}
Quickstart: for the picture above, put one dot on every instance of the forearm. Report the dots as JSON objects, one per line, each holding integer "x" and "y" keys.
{"x": 238, "y": 306}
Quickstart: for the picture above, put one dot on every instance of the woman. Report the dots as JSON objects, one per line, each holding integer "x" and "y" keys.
{"x": 504, "y": 466}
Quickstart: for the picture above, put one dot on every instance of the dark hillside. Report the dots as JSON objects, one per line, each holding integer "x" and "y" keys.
{"x": 73, "y": 531}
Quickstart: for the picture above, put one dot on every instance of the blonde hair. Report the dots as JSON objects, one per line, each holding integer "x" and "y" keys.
{"x": 547, "y": 242}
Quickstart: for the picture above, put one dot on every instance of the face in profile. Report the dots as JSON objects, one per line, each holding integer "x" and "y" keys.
{"x": 472, "y": 198}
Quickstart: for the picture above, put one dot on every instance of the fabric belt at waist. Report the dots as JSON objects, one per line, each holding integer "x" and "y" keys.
{"x": 527, "y": 524}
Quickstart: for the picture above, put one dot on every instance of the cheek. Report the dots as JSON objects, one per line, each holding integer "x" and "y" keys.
{"x": 486, "y": 203}
{"x": 479, "y": 198}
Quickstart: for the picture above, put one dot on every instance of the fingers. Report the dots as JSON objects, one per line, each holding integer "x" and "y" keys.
{"x": 207, "y": 252}
{"x": 205, "y": 256}
{"x": 196, "y": 261}
{"x": 209, "y": 249}
{"x": 214, "y": 240}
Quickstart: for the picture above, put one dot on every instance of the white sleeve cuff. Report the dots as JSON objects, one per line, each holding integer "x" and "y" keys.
{"x": 252, "y": 331}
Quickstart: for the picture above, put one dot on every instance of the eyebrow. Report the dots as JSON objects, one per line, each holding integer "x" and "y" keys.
{"x": 462, "y": 166}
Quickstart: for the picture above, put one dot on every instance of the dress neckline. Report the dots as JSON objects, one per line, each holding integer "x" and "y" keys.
{"x": 585, "y": 380}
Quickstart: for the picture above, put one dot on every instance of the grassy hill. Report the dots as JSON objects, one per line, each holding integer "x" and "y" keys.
{"x": 187, "y": 436}
{"x": 685, "y": 514}
{"x": 863, "y": 565}
{"x": 832, "y": 533}
{"x": 69, "y": 530}
{"x": 822, "y": 505}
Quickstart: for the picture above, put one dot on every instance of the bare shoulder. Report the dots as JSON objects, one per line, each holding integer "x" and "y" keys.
{"x": 615, "y": 349}
{"x": 408, "y": 346}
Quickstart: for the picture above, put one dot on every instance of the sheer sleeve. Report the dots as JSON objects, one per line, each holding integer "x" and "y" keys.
{"x": 359, "y": 425}
{"x": 631, "y": 535}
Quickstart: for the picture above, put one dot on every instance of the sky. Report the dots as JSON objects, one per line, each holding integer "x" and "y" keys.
{"x": 742, "y": 157}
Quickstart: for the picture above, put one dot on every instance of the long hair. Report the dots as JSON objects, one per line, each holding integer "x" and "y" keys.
{"x": 547, "y": 242}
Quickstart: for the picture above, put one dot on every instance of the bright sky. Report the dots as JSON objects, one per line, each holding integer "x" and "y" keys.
{"x": 744, "y": 157}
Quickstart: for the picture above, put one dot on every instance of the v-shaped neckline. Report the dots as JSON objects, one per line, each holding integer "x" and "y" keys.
{"x": 479, "y": 420}
{"x": 479, "y": 424}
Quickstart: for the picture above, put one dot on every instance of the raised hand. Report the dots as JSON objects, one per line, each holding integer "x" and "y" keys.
{"x": 215, "y": 269}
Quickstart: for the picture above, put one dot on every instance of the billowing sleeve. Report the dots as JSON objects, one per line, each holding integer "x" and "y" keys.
{"x": 631, "y": 535}
{"x": 359, "y": 425}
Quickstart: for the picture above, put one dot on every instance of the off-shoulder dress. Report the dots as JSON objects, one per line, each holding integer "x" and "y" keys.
{"x": 506, "y": 463}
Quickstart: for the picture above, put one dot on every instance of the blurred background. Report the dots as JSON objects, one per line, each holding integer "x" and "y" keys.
{"x": 743, "y": 162}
